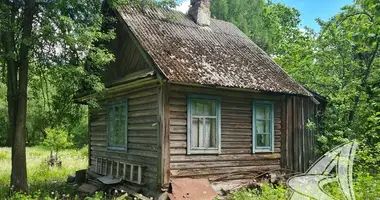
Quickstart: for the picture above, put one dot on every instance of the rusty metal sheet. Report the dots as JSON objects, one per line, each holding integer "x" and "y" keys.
{"x": 191, "y": 189}
{"x": 218, "y": 55}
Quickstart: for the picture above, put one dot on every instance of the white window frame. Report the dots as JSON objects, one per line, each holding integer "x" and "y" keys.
{"x": 217, "y": 149}
{"x": 269, "y": 104}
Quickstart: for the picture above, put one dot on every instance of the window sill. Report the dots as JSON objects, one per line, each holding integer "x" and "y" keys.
{"x": 203, "y": 151}
{"x": 263, "y": 151}
{"x": 117, "y": 148}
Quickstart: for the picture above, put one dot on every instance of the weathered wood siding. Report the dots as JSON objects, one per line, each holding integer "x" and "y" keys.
{"x": 142, "y": 131}
{"x": 236, "y": 160}
{"x": 128, "y": 56}
{"x": 298, "y": 140}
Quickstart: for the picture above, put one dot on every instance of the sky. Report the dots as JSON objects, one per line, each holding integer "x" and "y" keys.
{"x": 309, "y": 9}
{"x": 312, "y": 9}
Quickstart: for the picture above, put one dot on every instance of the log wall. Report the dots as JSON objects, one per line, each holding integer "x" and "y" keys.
{"x": 142, "y": 131}
{"x": 236, "y": 160}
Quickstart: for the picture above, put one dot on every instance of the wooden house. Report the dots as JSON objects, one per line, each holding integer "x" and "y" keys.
{"x": 191, "y": 96}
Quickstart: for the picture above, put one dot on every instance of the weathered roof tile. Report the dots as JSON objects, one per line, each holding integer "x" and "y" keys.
{"x": 218, "y": 55}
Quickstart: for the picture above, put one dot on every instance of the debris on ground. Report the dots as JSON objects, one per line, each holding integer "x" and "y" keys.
{"x": 191, "y": 189}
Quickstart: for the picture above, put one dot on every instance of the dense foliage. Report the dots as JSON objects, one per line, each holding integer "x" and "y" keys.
{"x": 341, "y": 63}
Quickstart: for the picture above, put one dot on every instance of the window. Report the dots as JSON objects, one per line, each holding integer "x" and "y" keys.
{"x": 263, "y": 137}
{"x": 203, "y": 125}
{"x": 117, "y": 126}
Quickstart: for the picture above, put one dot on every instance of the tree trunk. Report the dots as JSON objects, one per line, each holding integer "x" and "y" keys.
{"x": 8, "y": 43}
{"x": 19, "y": 172}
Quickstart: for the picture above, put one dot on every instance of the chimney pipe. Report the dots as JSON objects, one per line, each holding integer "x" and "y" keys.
{"x": 200, "y": 12}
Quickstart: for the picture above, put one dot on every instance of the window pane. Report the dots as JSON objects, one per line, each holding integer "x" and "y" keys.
{"x": 210, "y": 135}
{"x": 117, "y": 125}
{"x": 260, "y": 126}
{"x": 267, "y": 112}
{"x": 267, "y": 126}
{"x": 260, "y": 112}
{"x": 209, "y": 108}
{"x": 263, "y": 126}
{"x": 203, "y": 108}
{"x": 196, "y": 133}
{"x": 263, "y": 140}
{"x": 197, "y": 108}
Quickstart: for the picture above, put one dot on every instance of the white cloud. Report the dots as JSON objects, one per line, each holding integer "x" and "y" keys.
{"x": 184, "y": 6}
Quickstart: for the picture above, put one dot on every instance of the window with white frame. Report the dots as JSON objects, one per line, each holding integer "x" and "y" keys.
{"x": 263, "y": 126}
{"x": 203, "y": 125}
{"x": 117, "y": 126}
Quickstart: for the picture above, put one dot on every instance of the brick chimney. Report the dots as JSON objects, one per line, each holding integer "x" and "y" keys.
{"x": 200, "y": 12}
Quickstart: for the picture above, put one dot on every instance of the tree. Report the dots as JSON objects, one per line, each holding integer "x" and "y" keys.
{"x": 57, "y": 139}
{"x": 270, "y": 25}
{"x": 342, "y": 63}
{"x": 51, "y": 39}
{"x": 16, "y": 55}
{"x": 43, "y": 34}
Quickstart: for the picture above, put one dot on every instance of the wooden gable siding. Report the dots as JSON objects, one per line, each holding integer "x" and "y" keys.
{"x": 127, "y": 54}
{"x": 236, "y": 160}
{"x": 142, "y": 136}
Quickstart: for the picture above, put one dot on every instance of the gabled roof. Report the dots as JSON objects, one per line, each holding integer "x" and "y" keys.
{"x": 218, "y": 55}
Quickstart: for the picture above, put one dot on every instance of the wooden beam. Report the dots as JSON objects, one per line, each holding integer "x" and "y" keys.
{"x": 133, "y": 76}
{"x": 166, "y": 136}
{"x": 109, "y": 92}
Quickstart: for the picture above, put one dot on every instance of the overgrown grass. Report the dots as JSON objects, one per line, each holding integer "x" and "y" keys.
{"x": 43, "y": 181}
{"x": 366, "y": 187}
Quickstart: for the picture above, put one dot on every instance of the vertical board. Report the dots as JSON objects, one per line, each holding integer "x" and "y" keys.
{"x": 300, "y": 140}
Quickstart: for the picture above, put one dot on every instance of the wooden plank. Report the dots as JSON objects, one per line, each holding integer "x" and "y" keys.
{"x": 206, "y": 158}
{"x": 145, "y": 140}
{"x": 224, "y": 92}
{"x": 220, "y": 164}
{"x": 283, "y": 138}
{"x": 148, "y": 106}
{"x": 222, "y": 170}
{"x": 143, "y": 100}
{"x": 142, "y": 127}
{"x": 143, "y": 113}
{"x": 142, "y": 120}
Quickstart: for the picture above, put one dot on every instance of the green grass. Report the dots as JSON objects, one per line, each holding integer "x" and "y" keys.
{"x": 366, "y": 186}
{"x": 43, "y": 180}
